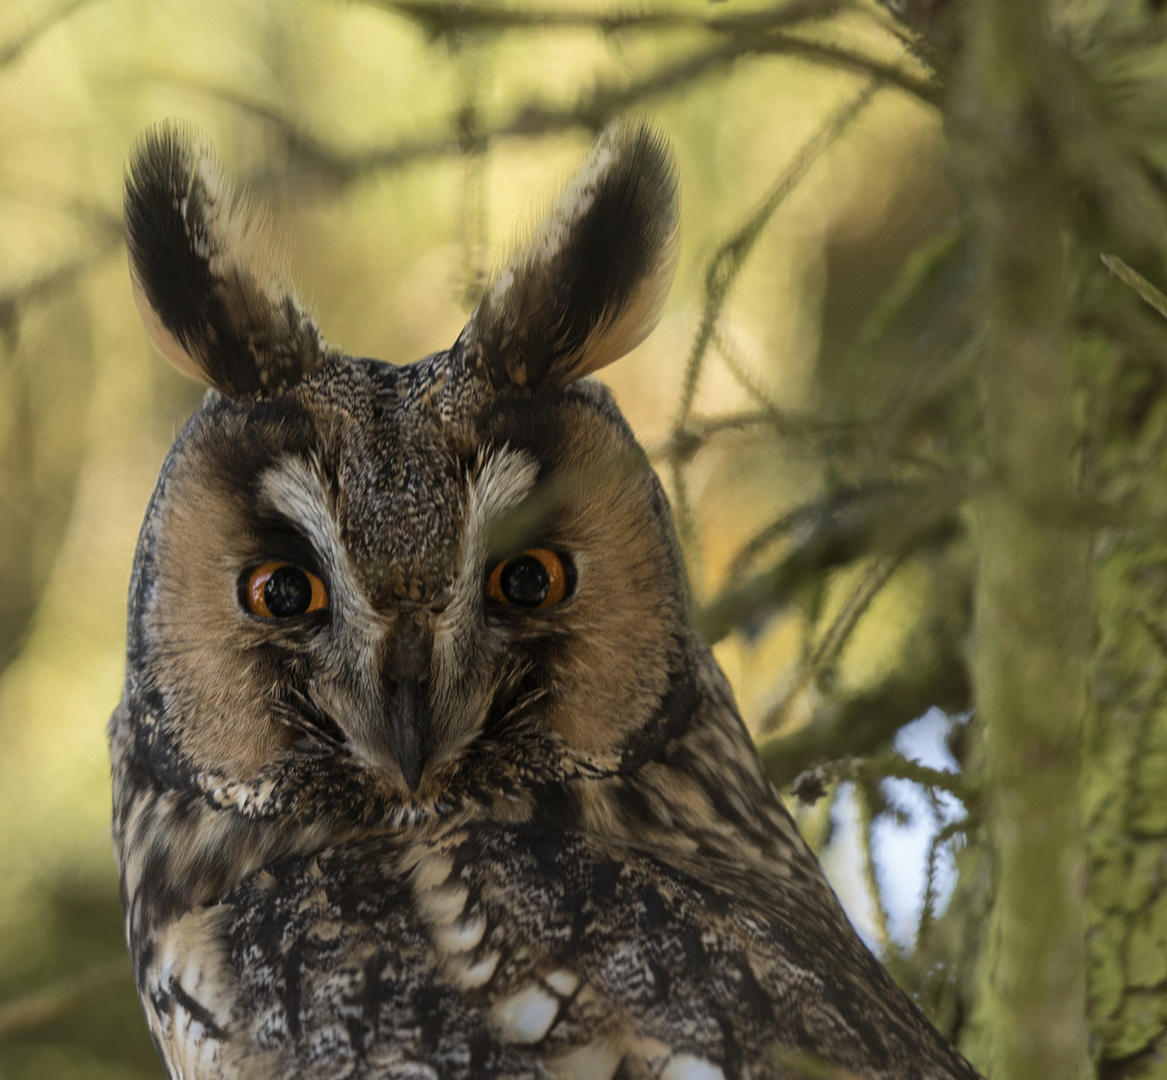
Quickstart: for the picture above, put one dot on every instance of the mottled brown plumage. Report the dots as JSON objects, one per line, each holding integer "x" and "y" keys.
{"x": 487, "y": 808}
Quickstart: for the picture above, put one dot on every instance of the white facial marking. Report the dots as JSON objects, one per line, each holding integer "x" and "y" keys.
{"x": 504, "y": 479}
{"x": 295, "y": 489}
{"x": 527, "y": 1016}
{"x": 462, "y": 655}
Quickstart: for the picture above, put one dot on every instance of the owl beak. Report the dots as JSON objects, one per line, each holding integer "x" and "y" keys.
{"x": 406, "y": 676}
{"x": 407, "y": 726}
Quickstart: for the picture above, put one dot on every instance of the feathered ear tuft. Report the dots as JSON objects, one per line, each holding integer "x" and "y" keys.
{"x": 592, "y": 283}
{"x": 205, "y": 279}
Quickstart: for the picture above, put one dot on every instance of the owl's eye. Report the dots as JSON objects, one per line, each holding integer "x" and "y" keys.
{"x": 536, "y": 578}
{"x": 279, "y": 590}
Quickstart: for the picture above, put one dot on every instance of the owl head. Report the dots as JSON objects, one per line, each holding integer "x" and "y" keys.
{"x": 378, "y": 583}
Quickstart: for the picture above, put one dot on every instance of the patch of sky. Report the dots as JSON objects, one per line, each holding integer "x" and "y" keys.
{"x": 900, "y": 840}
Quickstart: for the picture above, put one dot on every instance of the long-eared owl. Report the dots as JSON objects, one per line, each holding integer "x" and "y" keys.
{"x": 421, "y": 770}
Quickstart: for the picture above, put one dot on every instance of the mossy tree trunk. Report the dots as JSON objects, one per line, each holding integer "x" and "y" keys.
{"x": 1033, "y": 595}
{"x": 1126, "y": 815}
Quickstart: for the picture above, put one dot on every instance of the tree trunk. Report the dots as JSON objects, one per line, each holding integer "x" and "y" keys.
{"x": 1033, "y": 595}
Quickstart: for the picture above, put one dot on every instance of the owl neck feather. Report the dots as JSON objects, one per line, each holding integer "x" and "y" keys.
{"x": 689, "y": 783}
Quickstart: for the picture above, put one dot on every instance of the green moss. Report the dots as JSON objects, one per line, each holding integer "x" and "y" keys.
{"x": 1109, "y": 872}
{"x": 1145, "y": 958}
{"x": 1139, "y": 1026}
{"x": 1148, "y": 807}
{"x": 1107, "y": 982}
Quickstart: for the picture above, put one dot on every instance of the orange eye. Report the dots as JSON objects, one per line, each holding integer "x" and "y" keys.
{"x": 279, "y": 590}
{"x": 535, "y": 578}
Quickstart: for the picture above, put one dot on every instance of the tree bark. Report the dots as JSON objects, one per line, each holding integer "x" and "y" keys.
{"x": 1033, "y": 595}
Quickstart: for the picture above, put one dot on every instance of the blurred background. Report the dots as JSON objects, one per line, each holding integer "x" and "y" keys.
{"x": 810, "y": 399}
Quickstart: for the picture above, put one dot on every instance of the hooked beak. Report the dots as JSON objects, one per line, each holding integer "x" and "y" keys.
{"x": 407, "y": 725}
{"x": 405, "y": 675}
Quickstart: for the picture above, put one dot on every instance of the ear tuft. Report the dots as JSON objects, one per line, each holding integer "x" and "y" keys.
{"x": 205, "y": 278}
{"x": 592, "y": 283}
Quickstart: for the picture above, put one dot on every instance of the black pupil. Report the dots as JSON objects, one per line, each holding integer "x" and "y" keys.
{"x": 287, "y": 592}
{"x": 525, "y": 581}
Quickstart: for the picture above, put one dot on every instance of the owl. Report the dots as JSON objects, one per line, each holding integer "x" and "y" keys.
{"x": 421, "y": 770}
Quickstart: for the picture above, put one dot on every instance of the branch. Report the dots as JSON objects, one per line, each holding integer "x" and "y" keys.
{"x": 727, "y": 262}
{"x": 1134, "y": 280}
{"x": 889, "y": 520}
{"x": 810, "y": 785}
{"x": 861, "y": 724}
{"x": 722, "y": 271}
{"x": 823, "y": 656}
{"x": 684, "y": 444}
{"x": 442, "y": 19}
{"x": 536, "y": 119}
{"x": 865, "y": 795}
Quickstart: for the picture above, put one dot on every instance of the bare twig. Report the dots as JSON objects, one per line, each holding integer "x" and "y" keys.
{"x": 886, "y": 519}
{"x": 945, "y": 834}
{"x": 536, "y": 119}
{"x": 1131, "y": 277}
{"x": 829, "y": 648}
{"x": 862, "y": 793}
{"x": 723, "y": 270}
{"x": 810, "y": 785}
{"x": 865, "y": 722}
{"x": 782, "y": 423}
{"x": 474, "y": 186}
{"x": 770, "y": 534}
{"x": 726, "y": 264}
{"x": 737, "y": 366}
{"x": 440, "y": 18}
{"x": 919, "y": 268}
